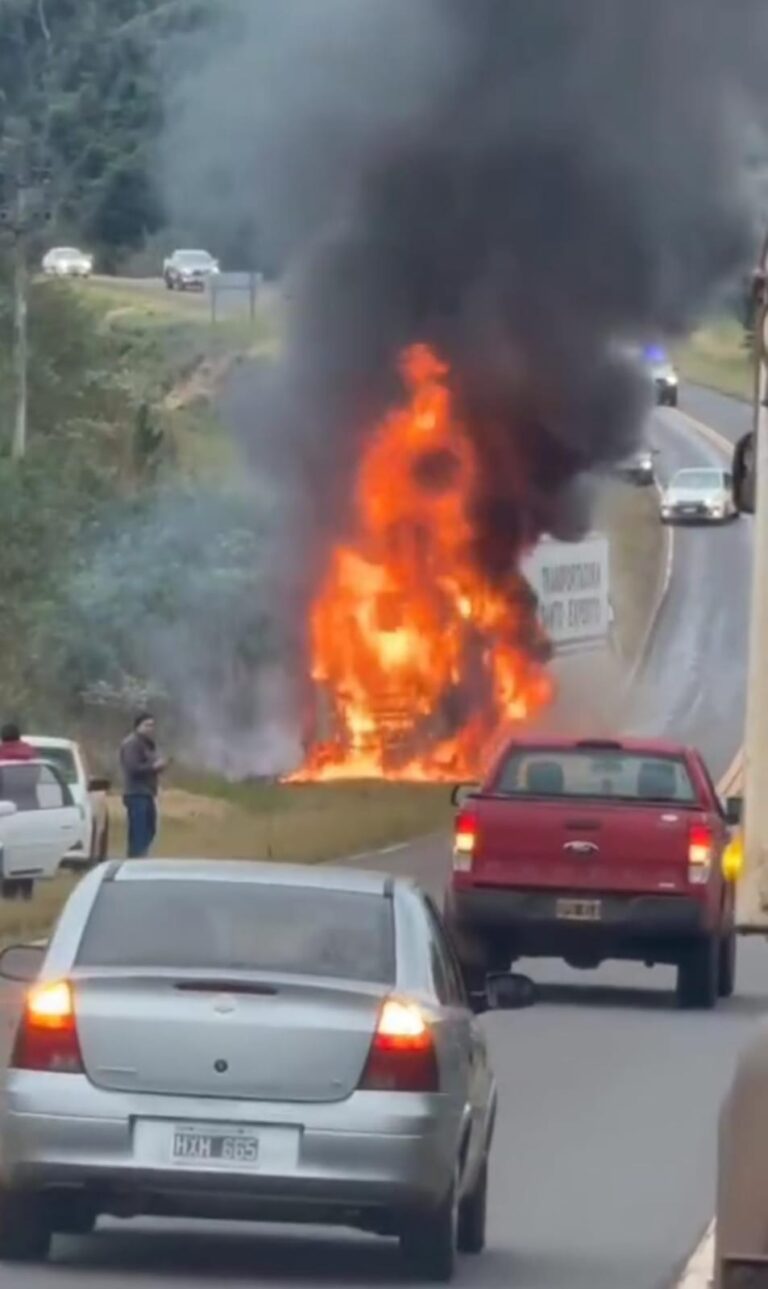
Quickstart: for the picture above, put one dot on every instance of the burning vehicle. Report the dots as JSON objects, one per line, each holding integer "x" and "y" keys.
{"x": 419, "y": 656}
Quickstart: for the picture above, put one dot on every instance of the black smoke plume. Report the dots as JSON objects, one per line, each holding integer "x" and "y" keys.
{"x": 530, "y": 185}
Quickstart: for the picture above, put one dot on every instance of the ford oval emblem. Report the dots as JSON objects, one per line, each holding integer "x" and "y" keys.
{"x": 224, "y": 1004}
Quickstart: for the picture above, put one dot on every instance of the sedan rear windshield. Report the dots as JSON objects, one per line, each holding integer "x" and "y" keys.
{"x": 603, "y": 775}
{"x": 239, "y": 926}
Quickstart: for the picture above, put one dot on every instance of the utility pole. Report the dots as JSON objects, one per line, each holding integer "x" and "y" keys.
{"x": 752, "y": 890}
{"x": 24, "y": 208}
{"x": 20, "y": 334}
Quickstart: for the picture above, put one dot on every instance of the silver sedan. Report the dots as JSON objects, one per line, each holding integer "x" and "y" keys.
{"x": 701, "y": 495}
{"x": 235, "y": 1040}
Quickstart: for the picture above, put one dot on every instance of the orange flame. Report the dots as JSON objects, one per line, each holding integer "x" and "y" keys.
{"x": 417, "y": 653}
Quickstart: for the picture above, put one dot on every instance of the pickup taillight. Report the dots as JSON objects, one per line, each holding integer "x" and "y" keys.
{"x": 464, "y": 841}
{"x": 701, "y": 853}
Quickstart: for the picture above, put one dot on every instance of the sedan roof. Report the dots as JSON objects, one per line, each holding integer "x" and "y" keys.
{"x": 353, "y": 880}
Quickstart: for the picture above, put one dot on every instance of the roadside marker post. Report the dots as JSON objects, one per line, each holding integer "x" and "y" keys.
{"x": 752, "y": 902}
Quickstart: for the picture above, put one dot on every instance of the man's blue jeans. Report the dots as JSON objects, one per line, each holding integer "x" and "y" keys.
{"x": 142, "y": 824}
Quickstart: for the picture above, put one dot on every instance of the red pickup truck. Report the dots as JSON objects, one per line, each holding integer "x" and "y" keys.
{"x": 593, "y": 849}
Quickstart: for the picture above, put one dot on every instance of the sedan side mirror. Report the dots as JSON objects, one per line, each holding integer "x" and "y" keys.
{"x": 22, "y": 962}
{"x": 510, "y": 992}
{"x": 734, "y": 811}
{"x": 462, "y": 792}
{"x": 7, "y": 809}
{"x": 99, "y": 785}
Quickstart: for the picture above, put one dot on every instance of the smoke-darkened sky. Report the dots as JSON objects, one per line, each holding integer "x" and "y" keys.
{"x": 519, "y": 183}
{"x": 526, "y": 184}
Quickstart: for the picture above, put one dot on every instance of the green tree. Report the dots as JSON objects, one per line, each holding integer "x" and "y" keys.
{"x": 81, "y": 90}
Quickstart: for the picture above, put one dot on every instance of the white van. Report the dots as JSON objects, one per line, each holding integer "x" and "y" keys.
{"x": 66, "y": 756}
{"x": 39, "y": 823}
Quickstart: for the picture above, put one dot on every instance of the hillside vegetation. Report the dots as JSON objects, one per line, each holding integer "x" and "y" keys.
{"x": 82, "y": 90}
{"x": 120, "y": 508}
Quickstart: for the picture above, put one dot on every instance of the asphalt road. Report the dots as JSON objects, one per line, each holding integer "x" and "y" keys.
{"x": 694, "y": 682}
{"x": 604, "y": 1159}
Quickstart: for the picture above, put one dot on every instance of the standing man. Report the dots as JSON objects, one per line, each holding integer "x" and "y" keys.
{"x": 141, "y": 768}
{"x": 12, "y": 745}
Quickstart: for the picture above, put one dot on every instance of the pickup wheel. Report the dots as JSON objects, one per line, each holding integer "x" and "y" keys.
{"x": 476, "y": 969}
{"x": 477, "y": 956}
{"x": 697, "y": 975}
{"x": 726, "y": 972}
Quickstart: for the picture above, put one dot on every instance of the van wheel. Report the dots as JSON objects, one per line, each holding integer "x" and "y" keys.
{"x": 430, "y": 1240}
{"x": 726, "y": 974}
{"x": 472, "y": 1213}
{"x": 697, "y": 975}
{"x": 25, "y": 1235}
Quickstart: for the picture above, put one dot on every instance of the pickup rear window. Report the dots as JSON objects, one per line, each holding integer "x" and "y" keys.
{"x": 603, "y": 775}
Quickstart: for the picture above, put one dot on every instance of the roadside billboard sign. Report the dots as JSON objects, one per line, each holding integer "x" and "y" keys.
{"x": 572, "y": 583}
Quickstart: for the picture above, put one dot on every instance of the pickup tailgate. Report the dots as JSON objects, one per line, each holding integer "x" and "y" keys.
{"x": 572, "y": 846}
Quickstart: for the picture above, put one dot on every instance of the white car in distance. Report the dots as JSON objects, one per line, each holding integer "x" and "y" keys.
{"x": 67, "y": 261}
{"x": 67, "y": 757}
{"x": 699, "y": 495}
{"x": 39, "y": 823}
{"x": 189, "y": 270}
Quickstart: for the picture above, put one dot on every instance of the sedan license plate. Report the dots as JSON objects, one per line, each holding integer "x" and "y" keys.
{"x": 225, "y": 1147}
{"x": 579, "y": 910}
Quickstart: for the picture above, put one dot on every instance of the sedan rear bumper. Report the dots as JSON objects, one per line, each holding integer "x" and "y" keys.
{"x": 374, "y": 1153}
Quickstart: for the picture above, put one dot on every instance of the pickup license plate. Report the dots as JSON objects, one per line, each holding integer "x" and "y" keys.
{"x": 225, "y": 1148}
{"x": 579, "y": 910}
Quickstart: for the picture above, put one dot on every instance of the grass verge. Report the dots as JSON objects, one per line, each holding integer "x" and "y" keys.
{"x": 716, "y": 357}
{"x": 305, "y": 823}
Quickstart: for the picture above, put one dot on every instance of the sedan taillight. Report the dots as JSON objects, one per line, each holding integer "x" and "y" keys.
{"x": 402, "y": 1056}
{"x": 47, "y": 1039}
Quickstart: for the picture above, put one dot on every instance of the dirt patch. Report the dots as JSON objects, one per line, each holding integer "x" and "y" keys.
{"x": 201, "y": 384}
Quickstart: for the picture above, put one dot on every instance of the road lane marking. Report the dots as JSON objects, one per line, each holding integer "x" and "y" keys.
{"x": 701, "y": 1269}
